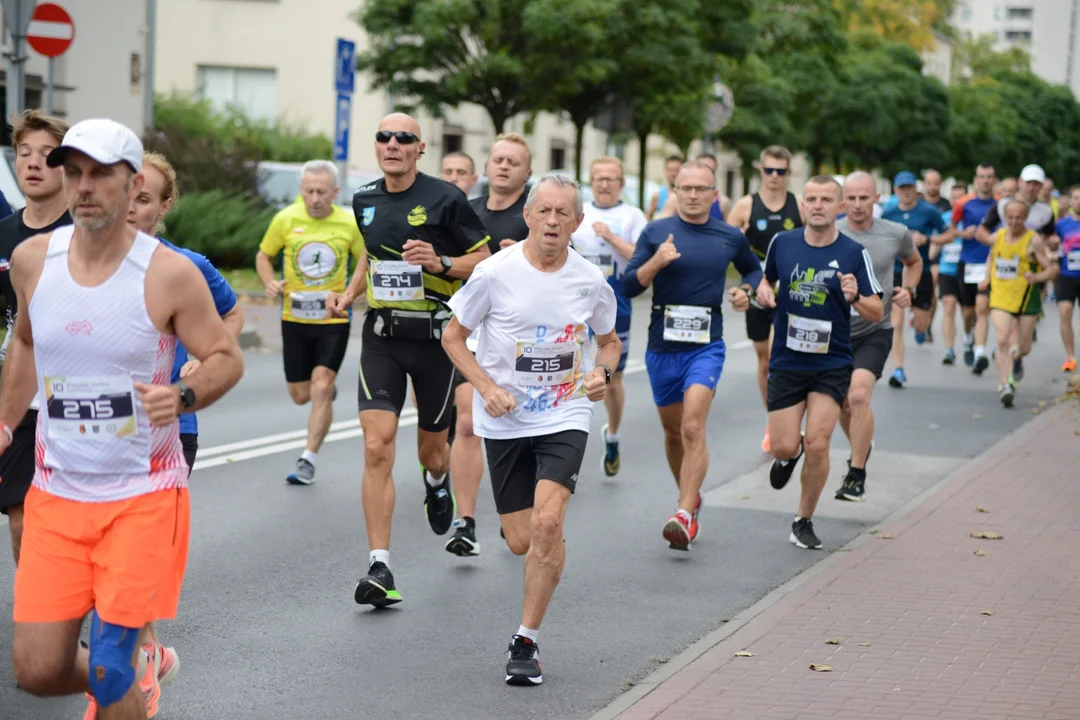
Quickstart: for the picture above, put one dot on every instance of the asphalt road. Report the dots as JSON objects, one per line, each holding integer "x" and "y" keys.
{"x": 268, "y": 627}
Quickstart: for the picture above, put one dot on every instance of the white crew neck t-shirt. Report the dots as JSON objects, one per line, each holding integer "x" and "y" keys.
{"x": 625, "y": 222}
{"x": 535, "y": 342}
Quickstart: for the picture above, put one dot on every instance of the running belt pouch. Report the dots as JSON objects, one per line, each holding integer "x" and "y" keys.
{"x": 410, "y": 325}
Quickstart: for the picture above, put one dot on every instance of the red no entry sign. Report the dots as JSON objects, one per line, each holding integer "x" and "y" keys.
{"x": 51, "y": 30}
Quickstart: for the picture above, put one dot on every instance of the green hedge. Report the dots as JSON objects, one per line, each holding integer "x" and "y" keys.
{"x": 225, "y": 227}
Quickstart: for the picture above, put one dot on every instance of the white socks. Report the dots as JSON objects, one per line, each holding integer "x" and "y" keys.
{"x": 382, "y": 556}
{"x": 309, "y": 456}
{"x": 432, "y": 480}
{"x": 980, "y": 351}
{"x": 969, "y": 341}
{"x": 526, "y": 632}
{"x": 611, "y": 437}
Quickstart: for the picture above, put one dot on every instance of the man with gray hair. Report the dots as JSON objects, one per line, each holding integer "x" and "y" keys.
{"x": 317, "y": 238}
{"x": 535, "y": 386}
{"x": 871, "y": 342}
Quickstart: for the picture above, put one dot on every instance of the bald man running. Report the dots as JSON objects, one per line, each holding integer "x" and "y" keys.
{"x": 422, "y": 240}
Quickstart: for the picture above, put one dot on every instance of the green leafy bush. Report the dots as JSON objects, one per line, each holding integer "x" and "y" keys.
{"x": 225, "y": 227}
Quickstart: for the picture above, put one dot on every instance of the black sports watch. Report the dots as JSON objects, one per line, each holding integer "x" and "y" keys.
{"x": 187, "y": 396}
{"x": 607, "y": 373}
{"x": 447, "y": 263}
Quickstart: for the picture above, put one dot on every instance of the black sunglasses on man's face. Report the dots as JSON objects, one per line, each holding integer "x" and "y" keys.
{"x": 404, "y": 138}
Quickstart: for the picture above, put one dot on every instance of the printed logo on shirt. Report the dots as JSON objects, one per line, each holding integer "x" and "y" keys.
{"x": 5, "y": 264}
{"x": 810, "y": 287}
{"x": 834, "y": 264}
{"x": 417, "y": 216}
{"x": 368, "y": 215}
{"x": 80, "y": 326}
{"x": 762, "y": 223}
{"x": 789, "y": 224}
{"x": 316, "y": 260}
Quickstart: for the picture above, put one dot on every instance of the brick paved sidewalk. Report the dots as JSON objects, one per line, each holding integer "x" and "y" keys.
{"x": 928, "y": 627}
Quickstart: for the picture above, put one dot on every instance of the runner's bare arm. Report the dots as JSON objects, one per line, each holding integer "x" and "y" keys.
{"x": 740, "y": 213}
{"x": 913, "y": 268}
{"x": 357, "y": 285}
{"x": 178, "y": 296}
{"x": 19, "y": 376}
{"x": 497, "y": 401}
{"x": 264, "y": 266}
{"x": 1046, "y": 261}
{"x": 234, "y": 320}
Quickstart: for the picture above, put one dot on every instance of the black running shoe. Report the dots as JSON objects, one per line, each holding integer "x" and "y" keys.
{"x": 523, "y": 662}
{"x": 1006, "y": 393}
{"x": 782, "y": 470}
{"x": 377, "y": 588}
{"x": 981, "y": 363}
{"x": 802, "y": 535}
{"x": 853, "y": 489}
{"x": 440, "y": 505}
{"x": 1018, "y": 369}
{"x": 463, "y": 542}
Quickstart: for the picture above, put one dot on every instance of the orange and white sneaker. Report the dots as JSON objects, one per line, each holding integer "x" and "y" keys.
{"x": 1069, "y": 366}
{"x": 169, "y": 662}
{"x": 680, "y": 530}
{"x": 148, "y": 685}
{"x": 766, "y": 446}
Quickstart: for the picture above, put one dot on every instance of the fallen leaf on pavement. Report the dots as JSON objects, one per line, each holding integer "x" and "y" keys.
{"x": 976, "y": 416}
{"x": 986, "y": 535}
{"x": 833, "y": 641}
{"x": 744, "y": 497}
{"x": 981, "y": 509}
{"x": 1035, "y": 411}
{"x": 1042, "y": 403}
{"x": 873, "y": 532}
{"x": 820, "y": 668}
{"x": 744, "y": 653}
{"x": 1076, "y": 432}
{"x": 885, "y": 536}
{"x": 986, "y": 612}
{"x": 864, "y": 644}
{"x": 896, "y": 688}
{"x": 980, "y": 552}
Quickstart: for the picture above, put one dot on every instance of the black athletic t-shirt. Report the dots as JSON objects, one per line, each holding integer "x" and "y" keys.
{"x": 766, "y": 223}
{"x": 942, "y": 204}
{"x": 431, "y": 210}
{"x": 12, "y": 232}
{"x": 508, "y": 224}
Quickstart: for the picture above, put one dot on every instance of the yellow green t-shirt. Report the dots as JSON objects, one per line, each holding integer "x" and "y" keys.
{"x": 316, "y": 259}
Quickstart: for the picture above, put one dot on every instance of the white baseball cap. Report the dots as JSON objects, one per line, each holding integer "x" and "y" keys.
{"x": 1033, "y": 172}
{"x": 106, "y": 141}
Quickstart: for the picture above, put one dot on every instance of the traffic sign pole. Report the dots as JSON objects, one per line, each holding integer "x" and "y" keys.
{"x": 50, "y": 32}
{"x": 49, "y": 88}
{"x": 344, "y": 84}
{"x": 16, "y": 19}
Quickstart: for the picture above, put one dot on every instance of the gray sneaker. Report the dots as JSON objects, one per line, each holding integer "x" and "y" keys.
{"x": 304, "y": 474}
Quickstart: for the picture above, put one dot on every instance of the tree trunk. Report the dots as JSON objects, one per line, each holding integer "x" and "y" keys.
{"x": 498, "y": 118}
{"x": 643, "y": 154}
{"x": 579, "y": 141}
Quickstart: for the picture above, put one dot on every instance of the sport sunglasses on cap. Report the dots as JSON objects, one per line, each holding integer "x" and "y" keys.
{"x": 404, "y": 138}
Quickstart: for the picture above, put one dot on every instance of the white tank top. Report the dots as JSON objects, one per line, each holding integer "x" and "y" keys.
{"x": 94, "y": 440}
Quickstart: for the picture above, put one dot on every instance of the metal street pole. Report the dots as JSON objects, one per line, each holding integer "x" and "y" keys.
{"x": 151, "y": 46}
{"x": 17, "y": 15}
{"x": 49, "y": 87}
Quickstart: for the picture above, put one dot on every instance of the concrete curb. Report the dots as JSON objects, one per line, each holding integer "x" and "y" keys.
{"x": 909, "y": 513}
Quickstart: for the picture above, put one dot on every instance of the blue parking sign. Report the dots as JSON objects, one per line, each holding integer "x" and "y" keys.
{"x": 345, "y": 66}
{"x": 342, "y": 116}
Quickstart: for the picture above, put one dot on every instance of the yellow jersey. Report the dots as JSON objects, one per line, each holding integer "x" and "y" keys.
{"x": 1009, "y": 263}
{"x": 316, "y": 259}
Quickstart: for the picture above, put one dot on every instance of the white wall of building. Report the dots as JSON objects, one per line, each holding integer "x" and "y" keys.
{"x": 96, "y": 72}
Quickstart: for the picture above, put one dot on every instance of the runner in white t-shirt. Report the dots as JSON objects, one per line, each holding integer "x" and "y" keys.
{"x": 536, "y": 381}
{"x": 606, "y": 238}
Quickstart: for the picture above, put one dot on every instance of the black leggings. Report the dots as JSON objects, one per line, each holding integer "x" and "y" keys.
{"x": 191, "y": 449}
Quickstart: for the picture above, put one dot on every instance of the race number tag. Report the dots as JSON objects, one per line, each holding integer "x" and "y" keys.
{"x": 396, "y": 280}
{"x": 808, "y": 336}
{"x": 974, "y": 274}
{"x": 951, "y": 253}
{"x": 1006, "y": 268}
{"x": 1072, "y": 261}
{"x": 90, "y": 408}
{"x": 544, "y": 364}
{"x": 605, "y": 262}
{"x": 687, "y": 323}
{"x": 308, "y": 305}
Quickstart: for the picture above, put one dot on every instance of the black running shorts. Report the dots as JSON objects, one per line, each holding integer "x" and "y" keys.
{"x": 788, "y": 388}
{"x": 871, "y": 351}
{"x": 924, "y": 291}
{"x": 306, "y": 346}
{"x": 387, "y": 364}
{"x": 1067, "y": 289}
{"x": 190, "y": 441}
{"x": 17, "y": 463}
{"x": 949, "y": 286}
{"x": 517, "y": 465}
{"x": 968, "y": 291}
{"x": 759, "y": 323}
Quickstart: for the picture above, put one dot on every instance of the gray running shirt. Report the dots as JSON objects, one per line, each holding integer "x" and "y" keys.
{"x": 884, "y": 240}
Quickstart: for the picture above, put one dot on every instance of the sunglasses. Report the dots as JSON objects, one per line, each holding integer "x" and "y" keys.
{"x": 404, "y": 138}
{"x": 775, "y": 171}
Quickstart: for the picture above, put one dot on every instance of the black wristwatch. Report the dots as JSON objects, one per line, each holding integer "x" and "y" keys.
{"x": 607, "y": 373}
{"x": 447, "y": 263}
{"x": 187, "y": 396}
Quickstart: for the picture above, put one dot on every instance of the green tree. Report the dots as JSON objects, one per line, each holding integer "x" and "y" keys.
{"x": 976, "y": 57}
{"x": 981, "y": 127}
